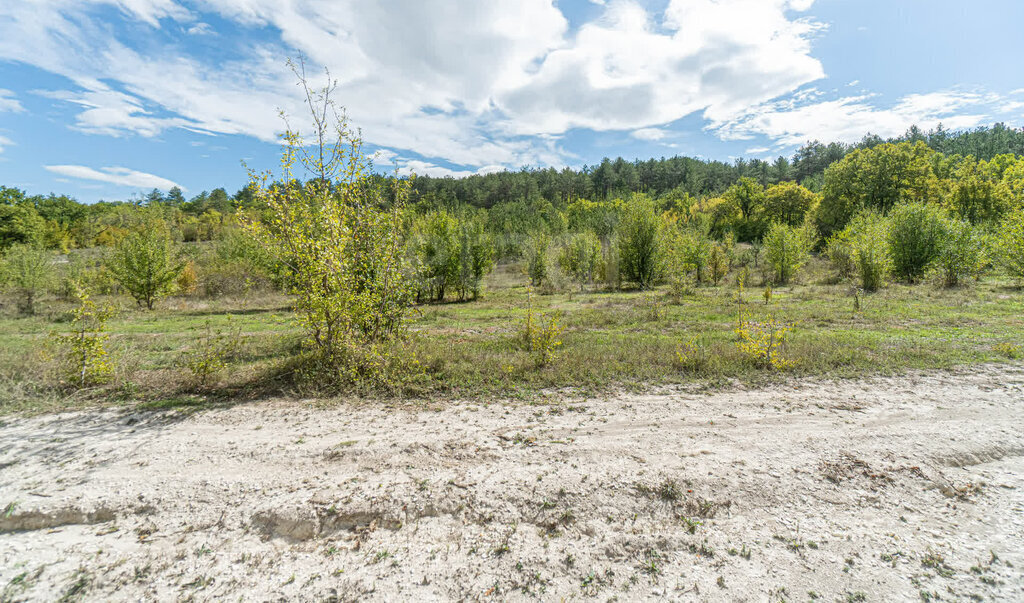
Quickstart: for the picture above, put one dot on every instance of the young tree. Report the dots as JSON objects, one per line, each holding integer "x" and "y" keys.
{"x": 786, "y": 249}
{"x": 867, "y": 235}
{"x": 145, "y": 265}
{"x": 537, "y": 258}
{"x": 345, "y": 254}
{"x": 20, "y": 223}
{"x": 27, "y": 272}
{"x": 788, "y": 202}
{"x": 476, "y": 258}
{"x": 580, "y": 258}
{"x": 962, "y": 253}
{"x": 641, "y": 252}
{"x": 1011, "y": 244}
{"x": 916, "y": 234}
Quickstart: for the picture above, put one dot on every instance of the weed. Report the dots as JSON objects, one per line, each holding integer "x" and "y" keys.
{"x": 763, "y": 342}
{"x": 693, "y": 355}
{"x": 211, "y": 352}
{"x": 76, "y": 590}
{"x": 1008, "y": 350}
{"x": 652, "y": 308}
{"x": 936, "y": 562}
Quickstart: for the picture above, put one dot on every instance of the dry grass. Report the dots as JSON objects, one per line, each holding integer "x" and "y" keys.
{"x": 611, "y": 339}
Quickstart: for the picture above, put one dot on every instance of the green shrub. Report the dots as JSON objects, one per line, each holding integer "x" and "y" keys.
{"x": 27, "y": 271}
{"x": 717, "y": 264}
{"x": 435, "y": 246}
{"x": 85, "y": 358}
{"x": 962, "y": 253}
{"x": 537, "y": 258}
{"x": 786, "y": 250}
{"x": 868, "y": 236}
{"x": 476, "y": 258}
{"x": 145, "y": 265}
{"x": 345, "y": 254}
{"x": 580, "y": 258}
{"x": 1011, "y": 244}
{"x": 689, "y": 252}
{"x": 839, "y": 251}
{"x": 916, "y": 234}
{"x": 211, "y": 351}
{"x": 641, "y": 250}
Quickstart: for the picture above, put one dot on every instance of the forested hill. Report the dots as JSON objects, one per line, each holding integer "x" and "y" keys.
{"x": 614, "y": 178}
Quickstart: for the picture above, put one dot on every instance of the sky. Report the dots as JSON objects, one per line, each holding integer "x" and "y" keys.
{"x": 108, "y": 99}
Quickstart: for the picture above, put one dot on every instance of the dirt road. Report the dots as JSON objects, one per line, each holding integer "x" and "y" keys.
{"x": 881, "y": 489}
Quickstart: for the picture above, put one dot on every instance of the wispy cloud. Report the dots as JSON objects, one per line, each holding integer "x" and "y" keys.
{"x": 795, "y": 121}
{"x": 5, "y": 142}
{"x": 9, "y": 103}
{"x": 649, "y": 134}
{"x": 121, "y": 176}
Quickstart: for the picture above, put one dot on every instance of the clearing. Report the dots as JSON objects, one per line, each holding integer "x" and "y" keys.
{"x": 883, "y": 488}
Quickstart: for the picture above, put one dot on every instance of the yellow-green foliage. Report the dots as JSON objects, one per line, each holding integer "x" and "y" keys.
{"x": 1009, "y": 350}
{"x": 541, "y": 332}
{"x": 787, "y": 249}
{"x": 866, "y": 235}
{"x": 580, "y": 257}
{"x": 546, "y": 340}
{"x": 718, "y": 264}
{"x": 653, "y": 308}
{"x": 345, "y": 256}
{"x": 449, "y": 253}
{"x": 187, "y": 280}
{"x": 144, "y": 263}
{"x": 27, "y": 272}
{"x": 641, "y": 244}
{"x": 692, "y": 355}
{"x": 1011, "y": 244}
{"x": 537, "y": 258}
{"x": 211, "y": 352}
{"x": 764, "y": 342}
{"x": 962, "y": 253}
{"x": 83, "y": 350}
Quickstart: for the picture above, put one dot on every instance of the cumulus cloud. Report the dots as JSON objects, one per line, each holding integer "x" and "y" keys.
{"x": 630, "y": 70}
{"x": 454, "y": 82}
{"x": 795, "y": 121}
{"x": 463, "y": 81}
{"x": 121, "y": 176}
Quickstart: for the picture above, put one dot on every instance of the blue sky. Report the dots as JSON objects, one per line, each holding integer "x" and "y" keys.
{"x": 104, "y": 99}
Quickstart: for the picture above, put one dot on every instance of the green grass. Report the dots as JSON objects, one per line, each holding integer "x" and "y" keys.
{"x": 473, "y": 349}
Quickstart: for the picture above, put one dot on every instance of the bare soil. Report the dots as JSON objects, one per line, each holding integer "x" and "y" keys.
{"x": 881, "y": 489}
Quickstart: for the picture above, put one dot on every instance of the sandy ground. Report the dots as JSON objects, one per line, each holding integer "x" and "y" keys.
{"x": 881, "y": 489}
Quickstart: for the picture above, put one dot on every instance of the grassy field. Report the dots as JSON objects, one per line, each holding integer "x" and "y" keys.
{"x": 610, "y": 339}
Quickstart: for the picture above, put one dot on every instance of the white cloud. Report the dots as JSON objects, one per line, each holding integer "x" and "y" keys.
{"x": 462, "y": 81}
{"x": 116, "y": 114}
{"x": 630, "y": 71}
{"x": 9, "y": 103}
{"x": 848, "y": 119}
{"x": 649, "y": 134}
{"x": 200, "y": 29}
{"x": 121, "y": 176}
{"x": 5, "y": 142}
